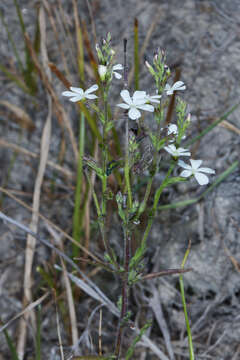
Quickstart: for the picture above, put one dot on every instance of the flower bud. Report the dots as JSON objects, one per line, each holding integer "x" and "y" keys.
{"x": 188, "y": 119}
{"x": 102, "y": 71}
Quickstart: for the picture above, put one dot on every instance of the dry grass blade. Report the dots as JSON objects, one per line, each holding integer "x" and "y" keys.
{"x": 93, "y": 291}
{"x": 59, "y": 330}
{"x": 158, "y": 312}
{"x": 60, "y": 75}
{"x": 71, "y": 306}
{"x": 26, "y": 310}
{"x": 19, "y": 115}
{"x": 22, "y": 203}
{"x": 56, "y": 33}
{"x": 31, "y": 241}
{"x": 70, "y": 300}
{"x": 227, "y": 125}
{"x": 26, "y": 152}
{"x": 61, "y": 114}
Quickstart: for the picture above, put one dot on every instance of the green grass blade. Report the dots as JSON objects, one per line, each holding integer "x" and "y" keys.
{"x": 136, "y": 55}
{"x": 91, "y": 121}
{"x": 220, "y": 178}
{"x": 29, "y": 66}
{"x": 38, "y": 334}
{"x": 213, "y": 125}
{"x": 190, "y": 343}
{"x": 178, "y": 204}
{"x": 20, "y": 18}
{"x": 15, "y": 78}
{"x": 10, "y": 39}
{"x": 11, "y": 346}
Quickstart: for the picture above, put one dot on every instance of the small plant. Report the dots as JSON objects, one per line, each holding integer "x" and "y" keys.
{"x": 166, "y": 140}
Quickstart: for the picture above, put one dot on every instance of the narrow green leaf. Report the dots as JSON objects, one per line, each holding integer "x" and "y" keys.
{"x": 213, "y": 125}
{"x": 38, "y": 334}
{"x": 77, "y": 224}
{"x": 136, "y": 340}
{"x": 11, "y": 346}
{"x": 10, "y": 39}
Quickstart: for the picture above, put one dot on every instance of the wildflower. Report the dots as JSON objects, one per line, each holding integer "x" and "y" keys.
{"x": 172, "y": 129}
{"x": 134, "y": 103}
{"x": 78, "y": 94}
{"x": 195, "y": 170}
{"x": 153, "y": 99}
{"x": 176, "y": 152}
{"x": 179, "y": 85}
{"x": 102, "y": 70}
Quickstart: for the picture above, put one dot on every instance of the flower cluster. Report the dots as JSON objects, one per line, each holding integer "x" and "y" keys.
{"x": 141, "y": 101}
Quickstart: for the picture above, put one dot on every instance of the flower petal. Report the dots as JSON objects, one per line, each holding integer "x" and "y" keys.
{"x": 123, "y": 106}
{"x": 117, "y": 67}
{"x": 195, "y": 163}
{"x": 169, "y": 150}
{"x": 117, "y": 75}
{"x": 126, "y": 97}
{"x": 201, "y": 178}
{"x": 77, "y": 90}
{"x": 91, "y": 89}
{"x": 139, "y": 95}
{"x": 91, "y": 96}
{"x": 179, "y": 85}
{"x": 206, "y": 170}
{"x": 184, "y": 165}
{"x": 146, "y": 107}
{"x": 134, "y": 113}
{"x": 186, "y": 173}
{"x": 68, "y": 93}
{"x": 76, "y": 98}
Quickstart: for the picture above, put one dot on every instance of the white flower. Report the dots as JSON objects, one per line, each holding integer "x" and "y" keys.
{"x": 179, "y": 85}
{"x": 137, "y": 101}
{"x": 176, "y": 152}
{"x": 117, "y": 67}
{"x": 77, "y": 94}
{"x": 102, "y": 70}
{"x": 153, "y": 99}
{"x": 172, "y": 129}
{"x": 195, "y": 170}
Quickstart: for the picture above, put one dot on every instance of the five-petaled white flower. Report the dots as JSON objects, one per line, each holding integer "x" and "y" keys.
{"x": 176, "y": 152}
{"x": 195, "y": 170}
{"x": 134, "y": 103}
{"x": 77, "y": 94}
{"x": 179, "y": 85}
{"x": 153, "y": 98}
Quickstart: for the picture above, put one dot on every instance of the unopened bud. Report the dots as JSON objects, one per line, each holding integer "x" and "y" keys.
{"x": 102, "y": 70}
{"x": 147, "y": 64}
{"x": 188, "y": 119}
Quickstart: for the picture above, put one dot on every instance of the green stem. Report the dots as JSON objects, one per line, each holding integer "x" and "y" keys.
{"x": 77, "y": 205}
{"x": 126, "y": 167}
{"x": 190, "y": 343}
